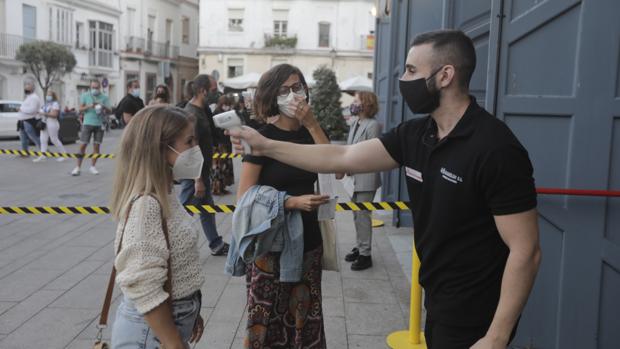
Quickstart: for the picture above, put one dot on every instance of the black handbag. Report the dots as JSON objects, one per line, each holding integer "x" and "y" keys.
{"x": 40, "y": 125}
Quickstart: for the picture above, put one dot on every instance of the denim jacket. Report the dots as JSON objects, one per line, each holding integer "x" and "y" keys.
{"x": 260, "y": 225}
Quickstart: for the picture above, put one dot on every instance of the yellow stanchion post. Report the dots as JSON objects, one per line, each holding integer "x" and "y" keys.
{"x": 414, "y": 337}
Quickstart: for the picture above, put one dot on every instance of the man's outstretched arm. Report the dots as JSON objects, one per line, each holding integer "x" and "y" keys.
{"x": 363, "y": 157}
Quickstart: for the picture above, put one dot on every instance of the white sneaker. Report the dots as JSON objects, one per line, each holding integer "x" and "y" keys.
{"x": 61, "y": 159}
{"x": 75, "y": 172}
{"x": 39, "y": 159}
{"x": 93, "y": 170}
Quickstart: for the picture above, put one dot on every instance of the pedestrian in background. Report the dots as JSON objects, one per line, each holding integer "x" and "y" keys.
{"x": 223, "y": 174}
{"x": 188, "y": 93}
{"x": 161, "y": 95}
{"x": 27, "y": 118}
{"x": 197, "y": 191}
{"x": 94, "y": 105}
{"x": 50, "y": 114}
{"x": 365, "y": 127}
{"x": 131, "y": 103}
{"x": 157, "y": 258}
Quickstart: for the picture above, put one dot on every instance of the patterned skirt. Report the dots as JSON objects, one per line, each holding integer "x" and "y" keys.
{"x": 284, "y": 315}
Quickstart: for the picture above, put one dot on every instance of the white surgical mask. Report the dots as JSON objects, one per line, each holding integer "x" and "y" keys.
{"x": 188, "y": 164}
{"x": 284, "y": 104}
{"x": 135, "y": 92}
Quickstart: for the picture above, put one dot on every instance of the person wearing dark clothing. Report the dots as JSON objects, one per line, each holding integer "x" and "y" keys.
{"x": 198, "y": 191}
{"x": 222, "y": 174}
{"x": 472, "y": 192}
{"x": 130, "y": 104}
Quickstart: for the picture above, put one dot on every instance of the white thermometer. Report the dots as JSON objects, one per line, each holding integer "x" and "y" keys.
{"x": 231, "y": 121}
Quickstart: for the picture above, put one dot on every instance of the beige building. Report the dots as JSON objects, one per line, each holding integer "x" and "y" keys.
{"x": 158, "y": 44}
{"x": 240, "y": 37}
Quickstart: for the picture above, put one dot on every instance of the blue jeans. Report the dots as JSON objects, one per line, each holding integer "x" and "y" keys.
{"x": 28, "y": 132}
{"x": 206, "y": 219}
{"x": 131, "y": 331}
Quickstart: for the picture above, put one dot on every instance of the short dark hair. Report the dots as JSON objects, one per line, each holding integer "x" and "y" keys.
{"x": 201, "y": 82}
{"x": 95, "y": 81}
{"x": 451, "y": 47}
{"x": 130, "y": 82}
{"x": 266, "y": 98}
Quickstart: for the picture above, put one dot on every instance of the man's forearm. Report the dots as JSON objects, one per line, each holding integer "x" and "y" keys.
{"x": 319, "y": 158}
{"x": 519, "y": 275}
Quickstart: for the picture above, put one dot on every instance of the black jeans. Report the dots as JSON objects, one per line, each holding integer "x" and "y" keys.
{"x": 441, "y": 336}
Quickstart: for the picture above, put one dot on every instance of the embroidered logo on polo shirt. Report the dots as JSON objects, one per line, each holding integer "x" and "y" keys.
{"x": 417, "y": 175}
{"x": 450, "y": 177}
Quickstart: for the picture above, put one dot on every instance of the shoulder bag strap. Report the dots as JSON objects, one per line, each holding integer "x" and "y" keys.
{"x": 103, "y": 320}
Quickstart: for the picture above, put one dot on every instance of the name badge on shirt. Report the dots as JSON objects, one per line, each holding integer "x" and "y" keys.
{"x": 417, "y": 175}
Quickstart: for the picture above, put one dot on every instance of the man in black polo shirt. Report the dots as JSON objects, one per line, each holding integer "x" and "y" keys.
{"x": 131, "y": 103}
{"x": 471, "y": 189}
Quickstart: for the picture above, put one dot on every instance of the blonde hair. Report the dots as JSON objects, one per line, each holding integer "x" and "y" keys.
{"x": 141, "y": 167}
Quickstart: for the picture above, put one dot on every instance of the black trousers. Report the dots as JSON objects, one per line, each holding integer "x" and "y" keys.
{"x": 440, "y": 336}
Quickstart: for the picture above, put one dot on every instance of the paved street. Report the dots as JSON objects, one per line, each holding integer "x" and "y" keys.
{"x": 54, "y": 269}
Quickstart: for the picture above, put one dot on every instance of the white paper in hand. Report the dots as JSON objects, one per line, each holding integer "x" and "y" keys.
{"x": 326, "y": 187}
{"x": 349, "y": 185}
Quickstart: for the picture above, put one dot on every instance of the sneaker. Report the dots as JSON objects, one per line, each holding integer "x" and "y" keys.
{"x": 221, "y": 251}
{"x": 352, "y": 256}
{"x": 93, "y": 170}
{"x": 362, "y": 262}
{"x": 61, "y": 159}
{"x": 39, "y": 159}
{"x": 75, "y": 172}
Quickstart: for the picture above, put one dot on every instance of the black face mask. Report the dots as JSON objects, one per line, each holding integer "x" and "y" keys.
{"x": 27, "y": 92}
{"x": 420, "y": 99}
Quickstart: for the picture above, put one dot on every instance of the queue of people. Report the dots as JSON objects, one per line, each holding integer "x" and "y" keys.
{"x": 469, "y": 181}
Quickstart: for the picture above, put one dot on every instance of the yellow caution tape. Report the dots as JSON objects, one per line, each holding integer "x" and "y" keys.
{"x": 99, "y": 210}
{"x": 50, "y": 154}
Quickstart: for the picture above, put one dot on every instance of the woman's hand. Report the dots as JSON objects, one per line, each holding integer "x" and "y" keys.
{"x": 304, "y": 113}
{"x": 199, "y": 327}
{"x": 257, "y": 142}
{"x": 306, "y": 203}
{"x": 200, "y": 190}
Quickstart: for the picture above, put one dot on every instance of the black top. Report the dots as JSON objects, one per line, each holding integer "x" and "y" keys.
{"x": 204, "y": 136}
{"x": 292, "y": 180}
{"x": 456, "y": 186}
{"x": 130, "y": 105}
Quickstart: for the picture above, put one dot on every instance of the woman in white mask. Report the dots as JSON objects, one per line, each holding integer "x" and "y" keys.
{"x": 50, "y": 113}
{"x": 157, "y": 257}
{"x": 282, "y": 98}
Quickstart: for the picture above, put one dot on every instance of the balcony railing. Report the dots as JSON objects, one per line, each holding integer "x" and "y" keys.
{"x": 9, "y": 44}
{"x": 151, "y": 48}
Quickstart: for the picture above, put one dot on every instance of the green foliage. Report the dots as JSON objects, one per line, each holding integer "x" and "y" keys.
{"x": 326, "y": 103}
{"x": 280, "y": 41}
{"x": 48, "y": 61}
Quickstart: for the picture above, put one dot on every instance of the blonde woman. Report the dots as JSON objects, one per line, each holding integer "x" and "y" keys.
{"x": 157, "y": 147}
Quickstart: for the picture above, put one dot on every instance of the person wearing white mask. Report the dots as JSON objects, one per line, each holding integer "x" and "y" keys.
{"x": 157, "y": 253}
{"x": 50, "y": 113}
{"x": 282, "y": 98}
{"x": 131, "y": 103}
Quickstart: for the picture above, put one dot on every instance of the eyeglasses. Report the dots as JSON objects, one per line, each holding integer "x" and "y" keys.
{"x": 296, "y": 88}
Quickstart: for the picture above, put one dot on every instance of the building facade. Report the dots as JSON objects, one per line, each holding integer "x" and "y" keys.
{"x": 154, "y": 41}
{"x": 159, "y": 44}
{"x": 243, "y": 36}
{"x": 89, "y": 28}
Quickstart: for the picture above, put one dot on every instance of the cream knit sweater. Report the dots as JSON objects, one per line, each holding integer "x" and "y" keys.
{"x": 141, "y": 264}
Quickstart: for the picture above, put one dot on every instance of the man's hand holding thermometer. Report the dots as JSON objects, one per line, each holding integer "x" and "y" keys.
{"x": 230, "y": 121}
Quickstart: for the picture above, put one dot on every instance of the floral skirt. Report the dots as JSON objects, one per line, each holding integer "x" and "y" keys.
{"x": 282, "y": 314}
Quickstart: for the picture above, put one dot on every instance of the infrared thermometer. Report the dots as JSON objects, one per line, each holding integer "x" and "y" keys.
{"x": 230, "y": 120}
